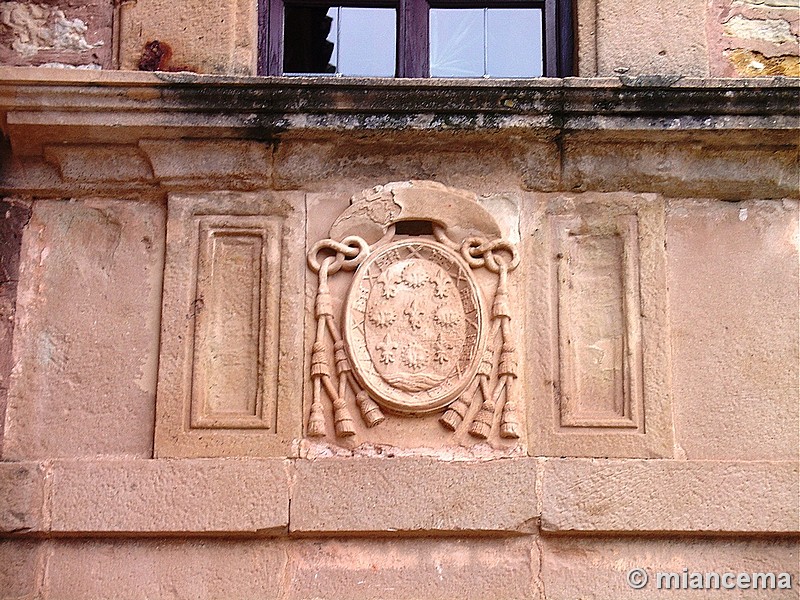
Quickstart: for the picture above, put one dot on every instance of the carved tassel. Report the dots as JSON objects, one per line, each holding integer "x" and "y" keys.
{"x": 316, "y": 420}
{"x": 509, "y": 425}
{"x": 319, "y": 369}
{"x": 481, "y": 427}
{"x": 454, "y": 415}
{"x": 370, "y": 411}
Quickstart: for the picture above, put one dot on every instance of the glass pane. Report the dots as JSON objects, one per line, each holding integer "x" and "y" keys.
{"x": 514, "y": 42}
{"x": 457, "y": 44}
{"x": 367, "y": 41}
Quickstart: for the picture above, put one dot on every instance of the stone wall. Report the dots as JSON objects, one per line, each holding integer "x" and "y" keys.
{"x": 723, "y": 38}
{"x": 657, "y": 215}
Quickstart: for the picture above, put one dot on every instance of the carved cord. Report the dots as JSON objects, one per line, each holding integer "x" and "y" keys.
{"x": 496, "y": 370}
{"x": 349, "y": 253}
{"x": 478, "y": 253}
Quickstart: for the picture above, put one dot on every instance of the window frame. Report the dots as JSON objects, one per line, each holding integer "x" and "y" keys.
{"x": 413, "y": 40}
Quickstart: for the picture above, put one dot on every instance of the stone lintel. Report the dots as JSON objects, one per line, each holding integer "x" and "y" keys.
{"x": 251, "y": 497}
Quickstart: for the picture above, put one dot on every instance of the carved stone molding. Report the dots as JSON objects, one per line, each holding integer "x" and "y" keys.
{"x": 601, "y": 383}
{"x": 229, "y": 373}
{"x": 419, "y": 330}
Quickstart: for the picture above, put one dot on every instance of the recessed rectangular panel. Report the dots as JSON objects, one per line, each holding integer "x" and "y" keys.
{"x": 599, "y": 340}
{"x": 235, "y": 301}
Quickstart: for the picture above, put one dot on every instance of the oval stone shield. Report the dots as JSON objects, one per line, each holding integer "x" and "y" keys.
{"x": 414, "y": 325}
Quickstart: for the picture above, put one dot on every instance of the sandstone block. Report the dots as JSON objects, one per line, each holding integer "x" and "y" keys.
{"x": 144, "y": 569}
{"x": 734, "y": 315}
{"x": 326, "y": 165}
{"x": 598, "y": 568}
{"x": 414, "y": 569}
{"x": 714, "y": 168}
{"x": 99, "y": 163}
{"x": 669, "y": 496}
{"x": 414, "y": 495}
{"x": 230, "y": 369}
{"x": 633, "y": 38}
{"x": 203, "y": 37}
{"x": 67, "y": 33}
{"x": 227, "y": 164}
{"x": 22, "y": 494}
{"x": 86, "y": 335}
{"x": 20, "y": 566}
{"x": 596, "y": 328}
{"x": 166, "y": 496}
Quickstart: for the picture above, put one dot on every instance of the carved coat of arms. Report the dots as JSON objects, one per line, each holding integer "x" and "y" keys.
{"x": 417, "y": 335}
{"x": 414, "y": 326}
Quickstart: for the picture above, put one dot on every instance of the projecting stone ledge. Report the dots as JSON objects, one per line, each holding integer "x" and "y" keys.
{"x": 396, "y": 497}
{"x": 662, "y": 496}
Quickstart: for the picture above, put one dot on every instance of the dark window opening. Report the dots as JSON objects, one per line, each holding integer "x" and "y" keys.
{"x": 417, "y": 38}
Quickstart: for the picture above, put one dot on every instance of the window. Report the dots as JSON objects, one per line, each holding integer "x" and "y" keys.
{"x": 416, "y": 38}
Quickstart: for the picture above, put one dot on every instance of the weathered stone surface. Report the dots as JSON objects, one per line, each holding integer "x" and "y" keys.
{"x": 21, "y": 568}
{"x": 597, "y": 568}
{"x": 229, "y": 164}
{"x": 734, "y": 310}
{"x": 753, "y": 38}
{"x": 169, "y": 496}
{"x": 14, "y": 216}
{"x": 86, "y": 335}
{"x": 65, "y": 33}
{"x": 637, "y": 38}
{"x": 596, "y": 325}
{"x": 706, "y": 169}
{"x": 356, "y": 569}
{"x": 141, "y": 570}
{"x": 411, "y": 569}
{"x": 217, "y": 37}
{"x": 99, "y": 163}
{"x": 414, "y": 495}
{"x": 776, "y": 31}
{"x": 230, "y": 378}
{"x": 750, "y": 63}
{"x": 669, "y": 496}
{"x": 330, "y": 165}
{"x": 22, "y": 493}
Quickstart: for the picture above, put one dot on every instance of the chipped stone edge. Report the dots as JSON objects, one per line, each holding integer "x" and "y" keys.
{"x": 776, "y": 481}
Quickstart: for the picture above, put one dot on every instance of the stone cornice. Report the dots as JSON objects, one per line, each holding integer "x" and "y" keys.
{"x": 71, "y": 132}
{"x": 174, "y": 103}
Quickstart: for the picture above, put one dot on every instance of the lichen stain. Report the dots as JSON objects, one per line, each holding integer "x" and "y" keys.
{"x": 36, "y": 27}
{"x": 749, "y": 63}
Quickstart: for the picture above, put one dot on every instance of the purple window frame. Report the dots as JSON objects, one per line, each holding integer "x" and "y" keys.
{"x": 412, "y": 31}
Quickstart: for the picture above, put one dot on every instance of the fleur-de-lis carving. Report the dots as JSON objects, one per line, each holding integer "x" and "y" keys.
{"x": 447, "y": 318}
{"x": 440, "y": 282}
{"x": 387, "y": 348}
{"x": 389, "y": 284}
{"x": 440, "y": 348}
{"x": 414, "y": 315}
